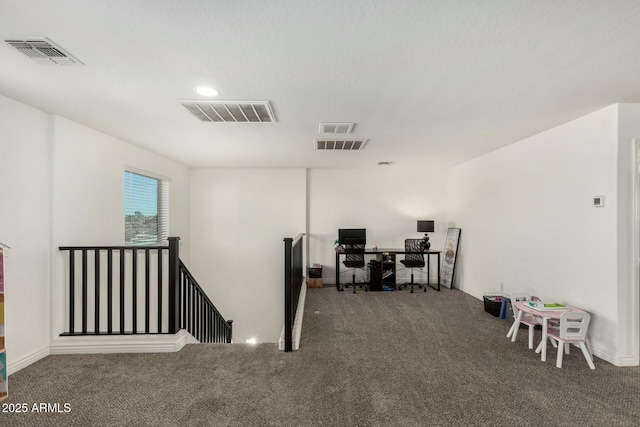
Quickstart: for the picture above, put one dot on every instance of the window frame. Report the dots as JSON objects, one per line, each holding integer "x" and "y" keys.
{"x": 162, "y": 208}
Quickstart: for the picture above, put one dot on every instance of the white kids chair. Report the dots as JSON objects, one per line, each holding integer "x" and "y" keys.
{"x": 527, "y": 319}
{"x": 572, "y": 330}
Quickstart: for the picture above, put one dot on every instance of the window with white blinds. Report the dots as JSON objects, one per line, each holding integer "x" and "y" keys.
{"x": 146, "y": 209}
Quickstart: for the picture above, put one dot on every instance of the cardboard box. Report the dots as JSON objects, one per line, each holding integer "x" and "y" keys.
{"x": 314, "y": 283}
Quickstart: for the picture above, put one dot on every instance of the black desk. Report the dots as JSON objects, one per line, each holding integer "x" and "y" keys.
{"x": 379, "y": 252}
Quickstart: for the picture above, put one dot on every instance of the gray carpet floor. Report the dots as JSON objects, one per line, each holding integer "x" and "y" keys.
{"x": 369, "y": 359}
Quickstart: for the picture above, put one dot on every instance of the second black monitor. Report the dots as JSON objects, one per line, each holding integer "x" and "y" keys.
{"x": 360, "y": 234}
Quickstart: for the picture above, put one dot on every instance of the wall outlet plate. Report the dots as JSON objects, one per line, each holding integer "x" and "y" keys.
{"x": 598, "y": 201}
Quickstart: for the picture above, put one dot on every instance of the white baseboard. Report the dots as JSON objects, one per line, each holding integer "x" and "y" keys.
{"x": 627, "y": 360}
{"x": 122, "y": 344}
{"x": 614, "y": 359}
{"x": 23, "y": 362}
{"x": 472, "y": 292}
{"x": 107, "y": 344}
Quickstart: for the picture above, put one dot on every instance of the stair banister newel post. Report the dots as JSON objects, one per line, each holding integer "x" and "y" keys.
{"x": 229, "y": 331}
{"x": 288, "y": 311}
{"x": 293, "y": 282}
{"x": 174, "y": 289}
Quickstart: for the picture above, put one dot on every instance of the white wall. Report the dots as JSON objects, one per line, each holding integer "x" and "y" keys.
{"x": 387, "y": 201}
{"x": 528, "y": 223}
{"x": 88, "y": 196}
{"x": 25, "y": 221}
{"x": 239, "y": 218}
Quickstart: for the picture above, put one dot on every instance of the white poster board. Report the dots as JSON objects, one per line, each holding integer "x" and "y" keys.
{"x": 448, "y": 268}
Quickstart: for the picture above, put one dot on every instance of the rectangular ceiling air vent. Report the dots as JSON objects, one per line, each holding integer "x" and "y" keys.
{"x": 231, "y": 111}
{"x": 336, "y": 127}
{"x": 340, "y": 144}
{"x": 43, "y": 50}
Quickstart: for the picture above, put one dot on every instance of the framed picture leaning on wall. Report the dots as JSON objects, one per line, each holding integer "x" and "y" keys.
{"x": 448, "y": 267}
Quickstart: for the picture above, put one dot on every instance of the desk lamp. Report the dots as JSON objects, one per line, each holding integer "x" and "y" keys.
{"x": 426, "y": 227}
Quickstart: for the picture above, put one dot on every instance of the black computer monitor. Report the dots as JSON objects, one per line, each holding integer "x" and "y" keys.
{"x": 352, "y": 233}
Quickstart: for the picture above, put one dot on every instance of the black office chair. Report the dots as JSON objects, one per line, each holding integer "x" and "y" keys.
{"x": 354, "y": 258}
{"x": 414, "y": 260}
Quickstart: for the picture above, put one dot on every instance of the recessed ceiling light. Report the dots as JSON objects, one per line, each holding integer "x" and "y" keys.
{"x": 207, "y": 91}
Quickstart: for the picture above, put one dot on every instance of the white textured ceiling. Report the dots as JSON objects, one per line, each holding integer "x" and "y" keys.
{"x": 428, "y": 83}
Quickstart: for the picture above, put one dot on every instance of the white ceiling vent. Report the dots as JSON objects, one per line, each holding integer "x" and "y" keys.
{"x": 340, "y": 144}
{"x": 336, "y": 127}
{"x": 43, "y": 50}
{"x": 231, "y": 111}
